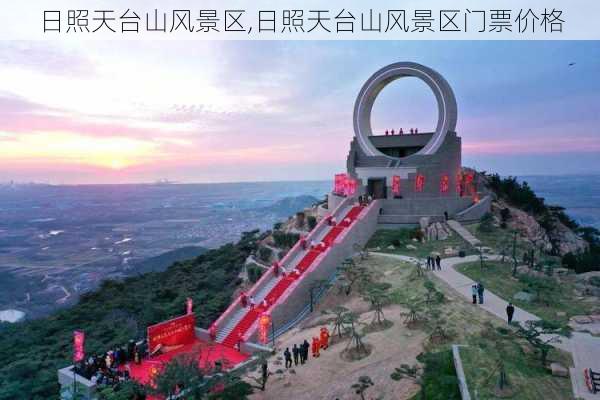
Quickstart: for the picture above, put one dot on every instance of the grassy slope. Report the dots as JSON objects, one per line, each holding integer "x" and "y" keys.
{"x": 479, "y": 330}
{"x": 497, "y": 277}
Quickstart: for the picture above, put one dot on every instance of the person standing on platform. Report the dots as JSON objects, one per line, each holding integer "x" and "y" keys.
{"x": 288, "y": 357}
{"x": 438, "y": 261}
{"x": 252, "y": 302}
{"x": 510, "y": 311}
{"x": 295, "y": 352}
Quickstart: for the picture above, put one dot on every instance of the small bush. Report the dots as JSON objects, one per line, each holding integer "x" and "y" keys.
{"x": 311, "y": 221}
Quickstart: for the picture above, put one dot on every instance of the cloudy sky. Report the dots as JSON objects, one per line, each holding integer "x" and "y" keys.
{"x": 99, "y": 112}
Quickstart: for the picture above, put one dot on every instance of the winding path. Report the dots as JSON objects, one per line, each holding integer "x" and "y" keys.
{"x": 584, "y": 347}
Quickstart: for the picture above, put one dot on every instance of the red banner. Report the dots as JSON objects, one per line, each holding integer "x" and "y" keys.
{"x": 78, "y": 346}
{"x": 189, "y": 303}
{"x": 419, "y": 183}
{"x": 264, "y": 323}
{"x": 172, "y": 332}
{"x": 444, "y": 184}
{"x": 396, "y": 185}
{"x": 344, "y": 185}
{"x": 339, "y": 183}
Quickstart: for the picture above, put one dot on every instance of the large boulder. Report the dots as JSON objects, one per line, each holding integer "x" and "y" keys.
{"x": 559, "y": 370}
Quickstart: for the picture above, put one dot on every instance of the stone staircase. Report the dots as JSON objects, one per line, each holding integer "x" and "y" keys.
{"x": 271, "y": 288}
{"x": 464, "y": 233}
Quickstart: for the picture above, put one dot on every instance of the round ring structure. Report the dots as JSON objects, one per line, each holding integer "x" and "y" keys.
{"x": 380, "y": 79}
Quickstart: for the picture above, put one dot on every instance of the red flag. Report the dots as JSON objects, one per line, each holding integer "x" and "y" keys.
{"x": 190, "y": 305}
{"x": 78, "y": 346}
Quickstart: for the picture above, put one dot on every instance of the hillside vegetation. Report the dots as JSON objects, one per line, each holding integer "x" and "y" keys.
{"x": 32, "y": 351}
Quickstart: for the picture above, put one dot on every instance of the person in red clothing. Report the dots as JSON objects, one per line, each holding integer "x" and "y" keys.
{"x": 324, "y": 340}
{"x": 315, "y": 347}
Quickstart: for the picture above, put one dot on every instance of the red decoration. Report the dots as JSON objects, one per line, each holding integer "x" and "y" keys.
{"x": 419, "y": 183}
{"x": 396, "y": 185}
{"x": 189, "y": 303}
{"x": 173, "y": 332}
{"x": 78, "y": 346}
{"x": 339, "y": 183}
{"x": 344, "y": 185}
{"x": 264, "y": 323}
{"x": 444, "y": 184}
{"x": 459, "y": 184}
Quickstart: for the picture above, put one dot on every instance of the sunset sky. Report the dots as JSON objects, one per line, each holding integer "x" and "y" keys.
{"x": 139, "y": 111}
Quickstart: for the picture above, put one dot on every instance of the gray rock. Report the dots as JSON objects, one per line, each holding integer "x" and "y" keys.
{"x": 559, "y": 370}
{"x": 411, "y": 247}
{"x": 524, "y": 296}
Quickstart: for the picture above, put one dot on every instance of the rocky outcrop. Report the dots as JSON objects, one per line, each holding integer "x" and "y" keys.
{"x": 560, "y": 238}
{"x": 565, "y": 240}
{"x": 525, "y": 224}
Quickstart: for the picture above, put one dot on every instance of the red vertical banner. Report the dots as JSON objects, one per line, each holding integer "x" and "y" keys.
{"x": 444, "y": 184}
{"x": 459, "y": 184}
{"x": 264, "y": 323}
{"x": 189, "y": 303}
{"x": 396, "y": 185}
{"x": 468, "y": 182}
{"x": 350, "y": 186}
{"x": 78, "y": 346}
{"x": 419, "y": 183}
{"x": 338, "y": 184}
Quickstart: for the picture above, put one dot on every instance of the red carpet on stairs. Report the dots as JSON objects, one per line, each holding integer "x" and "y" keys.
{"x": 246, "y": 322}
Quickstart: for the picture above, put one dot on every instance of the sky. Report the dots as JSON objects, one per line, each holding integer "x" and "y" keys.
{"x": 142, "y": 111}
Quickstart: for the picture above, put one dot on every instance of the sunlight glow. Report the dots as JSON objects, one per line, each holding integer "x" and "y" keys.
{"x": 106, "y": 152}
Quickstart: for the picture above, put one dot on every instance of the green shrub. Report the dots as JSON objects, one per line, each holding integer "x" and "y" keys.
{"x": 312, "y": 222}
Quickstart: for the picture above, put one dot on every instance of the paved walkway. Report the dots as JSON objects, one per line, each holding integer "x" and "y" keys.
{"x": 463, "y": 232}
{"x": 584, "y": 348}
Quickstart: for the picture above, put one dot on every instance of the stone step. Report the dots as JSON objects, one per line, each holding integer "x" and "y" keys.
{"x": 463, "y": 232}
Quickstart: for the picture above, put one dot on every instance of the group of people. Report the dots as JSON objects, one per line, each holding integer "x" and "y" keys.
{"x": 477, "y": 292}
{"x": 106, "y": 369}
{"x": 413, "y": 131}
{"x": 434, "y": 262}
{"x": 299, "y": 353}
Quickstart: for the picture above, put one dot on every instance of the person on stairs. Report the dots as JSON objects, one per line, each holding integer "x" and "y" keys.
{"x": 288, "y": 357}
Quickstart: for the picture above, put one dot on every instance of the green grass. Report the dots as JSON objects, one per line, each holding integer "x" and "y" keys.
{"x": 497, "y": 277}
{"x": 480, "y": 331}
{"x": 400, "y": 238}
{"x": 527, "y": 379}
